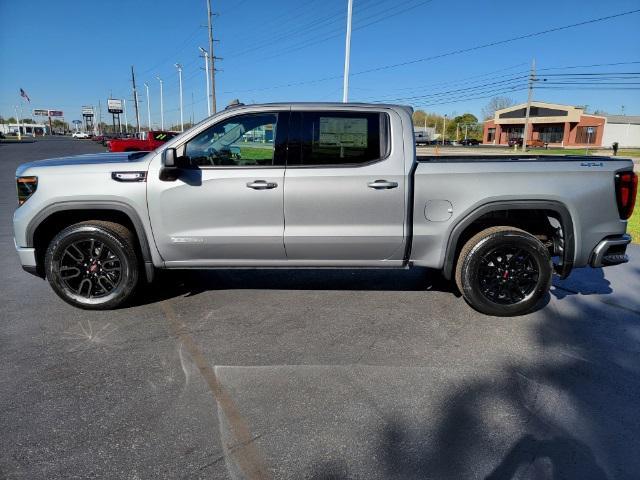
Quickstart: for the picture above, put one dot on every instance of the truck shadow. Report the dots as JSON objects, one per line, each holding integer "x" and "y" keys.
{"x": 569, "y": 412}
{"x": 175, "y": 283}
{"x": 583, "y": 281}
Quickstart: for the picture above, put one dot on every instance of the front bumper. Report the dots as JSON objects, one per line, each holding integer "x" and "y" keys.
{"x": 27, "y": 258}
{"x": 610, "y": 251}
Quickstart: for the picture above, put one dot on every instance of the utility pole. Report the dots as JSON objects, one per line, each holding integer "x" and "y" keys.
{"x": 161, "y": 104}
{"x": 146, "y": 85}
{"x": 532, "y": 78}
{"x": 126, "y": 122}
{"x": 212, "y": 57}
{"x": 444, "y": 127}
{"x": 205, "y": 54}
{"x": 347, "y": 54}
{"x": 99, "y": 117}
{"x": 179, "y": 67}
{"x": 135, "y": 99}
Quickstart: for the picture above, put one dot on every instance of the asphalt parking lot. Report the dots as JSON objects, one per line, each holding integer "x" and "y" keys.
{"x": 333, "y": 374}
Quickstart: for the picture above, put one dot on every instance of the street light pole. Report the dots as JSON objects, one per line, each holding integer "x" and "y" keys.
{"x": 179, "y": 67}
{"x": 205, "y": 54}
{"x": 161, "y": 105}
{"x": 347, "y": 54}
{"x": 146, "y": 85}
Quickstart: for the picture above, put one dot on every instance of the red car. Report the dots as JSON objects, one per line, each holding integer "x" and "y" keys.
{"x": 149, "y": 141}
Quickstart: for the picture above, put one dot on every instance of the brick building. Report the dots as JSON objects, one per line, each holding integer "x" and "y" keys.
{"x": 557, "y": 125}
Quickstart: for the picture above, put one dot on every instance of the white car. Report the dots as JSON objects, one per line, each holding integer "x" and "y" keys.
{"x": 80, "y": 135}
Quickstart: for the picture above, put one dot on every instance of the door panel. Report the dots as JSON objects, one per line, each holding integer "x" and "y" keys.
{"x": 228, "y": 208}
{"x": 211, "y": 214}
{"x": 339, "y": 213}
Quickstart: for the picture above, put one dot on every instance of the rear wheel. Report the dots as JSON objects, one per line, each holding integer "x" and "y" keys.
{"x": 504, "y": 271}
{"x": 93, "y": 265}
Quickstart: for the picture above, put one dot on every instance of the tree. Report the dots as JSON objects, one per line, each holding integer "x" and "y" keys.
{"x": 433, "y": 120}
{"x": 11, "y": 120}
{"x": 467, "y": 122}
{"x": 496, "y": 103}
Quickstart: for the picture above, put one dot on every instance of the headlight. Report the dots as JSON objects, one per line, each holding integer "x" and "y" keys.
{"x": 26, "y": 187}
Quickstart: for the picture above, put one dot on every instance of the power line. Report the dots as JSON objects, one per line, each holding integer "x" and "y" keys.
{"x": 467, "y": 99}
{"x": 338, "y": 32}
{"x": 305, "y": 29}
{"x": 457, "y": 52}
{"x": 513, "y": 80}
{"x": 498, "y": 42}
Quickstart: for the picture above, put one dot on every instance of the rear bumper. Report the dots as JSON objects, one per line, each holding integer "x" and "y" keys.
{"x": 610, "y": 251}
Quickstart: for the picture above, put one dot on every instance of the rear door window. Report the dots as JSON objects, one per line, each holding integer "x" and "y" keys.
{"x": 338, "y": 138}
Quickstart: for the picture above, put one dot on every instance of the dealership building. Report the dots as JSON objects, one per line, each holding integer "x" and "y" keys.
{"x": 562, "y": 126}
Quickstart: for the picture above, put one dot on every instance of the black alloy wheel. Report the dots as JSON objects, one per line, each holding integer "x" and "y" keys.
{"x": 508, "y": 275}
{"x": 504, "y": 271}
{"x": 93, "y": 265}
{"x": 89, "y": 268}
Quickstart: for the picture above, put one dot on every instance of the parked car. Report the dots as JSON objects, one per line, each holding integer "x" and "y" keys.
{"x": 149, "y": 141}
{"x": 534, "y": 142}
{"x": 80, "y": 135}
{"x": 339, "y": 186}
{"x": 422, "y": 138}
{"x": 469, "y": 142}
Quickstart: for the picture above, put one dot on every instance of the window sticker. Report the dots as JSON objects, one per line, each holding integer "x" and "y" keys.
{"x": 343, "y": 132}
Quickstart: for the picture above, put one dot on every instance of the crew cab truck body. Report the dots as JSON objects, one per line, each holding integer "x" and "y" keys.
{"x": 147, "y": 142}
{"x": 319, "y": 185}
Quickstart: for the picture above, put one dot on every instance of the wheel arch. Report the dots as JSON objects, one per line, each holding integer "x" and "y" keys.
{"x": 466, "y": 226}
{"x": 53, "y": 218}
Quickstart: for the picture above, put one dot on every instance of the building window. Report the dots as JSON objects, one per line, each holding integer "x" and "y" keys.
{"x": 550, "y": 133}
{"x": 586, "y": 135}
{"x": 514, "y": 133}
{"x": 491, "y": 134}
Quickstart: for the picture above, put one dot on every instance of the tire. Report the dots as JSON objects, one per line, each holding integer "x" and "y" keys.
{"x": 93, "y": 265}
{"x": 504, "y": 271}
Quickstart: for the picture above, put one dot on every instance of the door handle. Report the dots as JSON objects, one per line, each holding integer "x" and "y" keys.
{"x": 261, "y": 185}
{"x": 382, "y": 185}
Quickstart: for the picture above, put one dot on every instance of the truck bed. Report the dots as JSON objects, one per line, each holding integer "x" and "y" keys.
{"x": 450, "y": 188}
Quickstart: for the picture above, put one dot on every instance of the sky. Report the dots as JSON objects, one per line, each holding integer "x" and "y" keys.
{"x": 429, "y": 54}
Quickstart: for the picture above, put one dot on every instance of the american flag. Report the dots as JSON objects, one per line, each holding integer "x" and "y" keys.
{"x": 23, "y": 94}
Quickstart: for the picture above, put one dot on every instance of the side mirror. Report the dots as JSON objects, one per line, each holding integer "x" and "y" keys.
{"x": 169, "y": 158}
{"x": 170, "y": 169}
{"x": 172, "y": 164}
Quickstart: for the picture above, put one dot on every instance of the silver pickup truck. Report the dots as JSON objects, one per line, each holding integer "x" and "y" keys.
{"x": 319, "y": 185}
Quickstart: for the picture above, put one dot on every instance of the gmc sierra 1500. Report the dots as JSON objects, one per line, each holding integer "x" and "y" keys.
{"x": 319, "y": 185}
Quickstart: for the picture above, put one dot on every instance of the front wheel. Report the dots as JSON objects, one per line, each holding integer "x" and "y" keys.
{"x": 93, "y": 265}
{"x": 504, "y": 271}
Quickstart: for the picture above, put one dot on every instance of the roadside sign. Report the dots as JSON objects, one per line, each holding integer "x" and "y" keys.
{"x": 37, "y": 112}
{"x": 56, "y": 113}
{"x": 114, "y": 105}
{"x": 87, "y": 110}
{"x": 77, "y": 122}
